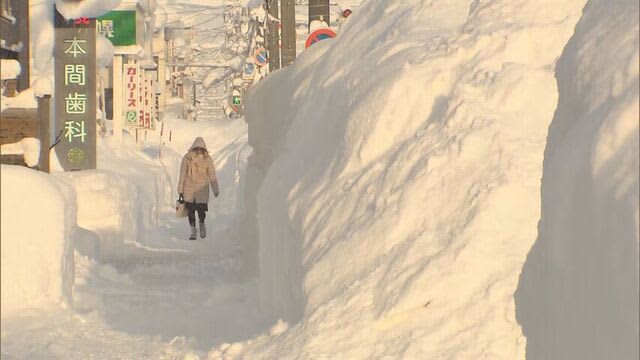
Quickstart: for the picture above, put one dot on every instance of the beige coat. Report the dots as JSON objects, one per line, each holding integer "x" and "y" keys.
{"x": 196, "y": 175}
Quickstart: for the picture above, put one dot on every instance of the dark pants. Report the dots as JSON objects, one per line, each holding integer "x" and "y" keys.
{"x": 202, "y": 212}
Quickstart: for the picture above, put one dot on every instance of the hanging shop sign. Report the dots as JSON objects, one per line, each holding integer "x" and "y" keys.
{"x": 75, "y": 92}
{"x": 149, "y": 93}
{"x": 119, "y": 26}
{"x": 319, "y": 35}
{"x": 131, "y": 73}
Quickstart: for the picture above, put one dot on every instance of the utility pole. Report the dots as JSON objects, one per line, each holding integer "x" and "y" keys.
{"x": 319, "y": 10}
{"x": 288, "y": 16}
{"x": 273, "y": 43}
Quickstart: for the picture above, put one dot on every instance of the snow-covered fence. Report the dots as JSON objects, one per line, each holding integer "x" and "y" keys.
{"x": 17, "y": 124}
{"x": 24, "y": 135}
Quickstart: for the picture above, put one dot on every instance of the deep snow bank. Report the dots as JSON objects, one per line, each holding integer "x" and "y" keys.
{"x": 125, "y": 196}
{"x": 38, "y": 220}
{"x": 397, "y": 172}
{"x": 578, "y": 295}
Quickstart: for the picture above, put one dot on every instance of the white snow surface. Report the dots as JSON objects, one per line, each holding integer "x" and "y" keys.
{"x": 25, "y": 99}
{"x": 390, "y": 201}
{"x": 397, "y": 174}
{"x": 9, "y": 69}
{"x": 104, "y": 51}
{"x": 36, "y": 232}
{"x": 28, "y": 147}
{"x": 73, "y": 9}
{"x": 578, "y": 294}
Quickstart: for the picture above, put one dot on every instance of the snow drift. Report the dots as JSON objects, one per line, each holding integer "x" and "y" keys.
{"x": 397, "y": 173}
{"x": 38, "y": 219}
{"x": 122, "y": 199}
{"x": 578, "y": 295}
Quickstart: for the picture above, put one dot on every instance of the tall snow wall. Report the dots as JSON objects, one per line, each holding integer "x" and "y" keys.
{"x": 578, "y": 294}
{"x": 396, "y": 173}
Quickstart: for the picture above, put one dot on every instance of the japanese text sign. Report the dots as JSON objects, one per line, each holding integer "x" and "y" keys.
{"x": 119, "y": 26}
{"x": 75, "y": 93}
{"x": 131, "y": 73}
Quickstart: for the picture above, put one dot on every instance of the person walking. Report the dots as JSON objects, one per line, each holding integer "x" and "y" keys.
{"x": 197, "y": 173}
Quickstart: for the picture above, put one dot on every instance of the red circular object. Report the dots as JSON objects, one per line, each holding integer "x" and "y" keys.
{"x": 347, "y": 12}
{"x": 319, "y": 35}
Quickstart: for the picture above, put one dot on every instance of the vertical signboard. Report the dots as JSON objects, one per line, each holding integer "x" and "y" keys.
{"x": 147, "y": 102}
{"x": 75, "y": 91}
{"x": 132, "y": 89}
{"x": 141, "y": 99}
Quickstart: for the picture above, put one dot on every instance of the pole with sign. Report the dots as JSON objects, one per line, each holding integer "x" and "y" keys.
{"x": 132, "y": 90}
{"x": 261, "y": 57}
{"x": 319, "y": 35}
{"x": 75, "y": 91}
{"x": 141, "y": 97}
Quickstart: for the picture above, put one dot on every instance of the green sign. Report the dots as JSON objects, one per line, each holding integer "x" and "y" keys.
{"x": 119, "y": 26}
{"x": 237, "y": 100}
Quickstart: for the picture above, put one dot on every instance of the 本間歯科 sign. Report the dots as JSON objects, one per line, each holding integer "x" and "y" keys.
{"x": 75, "y": 92}
{"x": 119, "y": 26}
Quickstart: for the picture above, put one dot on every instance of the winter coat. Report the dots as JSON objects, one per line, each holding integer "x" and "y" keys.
{"x": 197, "y": 174}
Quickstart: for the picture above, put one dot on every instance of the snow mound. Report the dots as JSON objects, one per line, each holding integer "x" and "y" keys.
{"x": 38, "y": 217}
{"x": 29, "y": 148}
{"x": 25, "y": 99}
{"x": 9, "y": 69}
{"x": 397, "y": 173}
{"x": 123, "y": 198}
{"x": 73, "y": 9}
{"x": 104, "y": 51}
{"x": 581, "y": 277}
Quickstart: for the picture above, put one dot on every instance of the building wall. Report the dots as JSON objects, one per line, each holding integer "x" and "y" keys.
{"x": 14, "y": 36}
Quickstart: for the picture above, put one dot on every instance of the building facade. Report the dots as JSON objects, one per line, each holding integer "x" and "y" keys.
{"x": 14, "y": 36}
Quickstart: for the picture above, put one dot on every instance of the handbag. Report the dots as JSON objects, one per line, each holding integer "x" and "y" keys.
{"x": 181, "y": 208}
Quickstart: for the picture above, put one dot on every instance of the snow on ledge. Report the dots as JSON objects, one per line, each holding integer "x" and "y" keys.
{"x": 25, "y": 99}
{"x": 28, "y": 147}
{"x": 73, "y": 9}
{"x": 9, "y": 69}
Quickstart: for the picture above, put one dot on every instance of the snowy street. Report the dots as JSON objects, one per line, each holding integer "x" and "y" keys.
{"x": 319, "y": 179}
{"x": 163, "y": 296}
